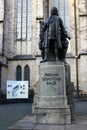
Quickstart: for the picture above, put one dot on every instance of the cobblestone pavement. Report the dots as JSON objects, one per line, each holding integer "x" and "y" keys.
{"x": 11, "y": 113}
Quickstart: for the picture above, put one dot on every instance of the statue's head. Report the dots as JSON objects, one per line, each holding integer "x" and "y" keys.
{"x": 54, "y": 11}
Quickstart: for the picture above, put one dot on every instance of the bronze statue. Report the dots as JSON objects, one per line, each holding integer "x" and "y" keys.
{"x": 41, "y": 42}
{"x": 53, "y": 38}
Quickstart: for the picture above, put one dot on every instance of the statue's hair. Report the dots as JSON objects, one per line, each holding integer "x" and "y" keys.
{"x": 54, "y": 11}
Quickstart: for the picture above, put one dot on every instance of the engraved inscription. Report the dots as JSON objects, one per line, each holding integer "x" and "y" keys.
{"x": 51, "y": 78}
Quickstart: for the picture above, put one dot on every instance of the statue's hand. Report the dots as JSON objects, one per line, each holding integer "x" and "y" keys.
{"x": 40, "y": 48}
{"x": 69, "y": 37}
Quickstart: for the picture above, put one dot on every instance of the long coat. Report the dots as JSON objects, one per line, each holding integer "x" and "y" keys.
{"x": 54, "y": 34}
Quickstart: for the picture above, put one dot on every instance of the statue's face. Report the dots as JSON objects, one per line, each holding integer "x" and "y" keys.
{"x": 54, "y": 11}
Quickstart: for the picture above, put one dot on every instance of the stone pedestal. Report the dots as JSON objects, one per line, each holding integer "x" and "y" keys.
{"x": 50, "y": 105}
{"x": 70, "y": 92}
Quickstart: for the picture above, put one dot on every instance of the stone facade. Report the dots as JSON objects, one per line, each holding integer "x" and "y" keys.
{"x": 83, "y": 73}
{"x": 9, "y": 47}
{"x": 10, "y": 8}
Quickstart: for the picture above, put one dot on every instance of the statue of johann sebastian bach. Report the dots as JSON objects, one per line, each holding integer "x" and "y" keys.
{"x": 53, "y": 38}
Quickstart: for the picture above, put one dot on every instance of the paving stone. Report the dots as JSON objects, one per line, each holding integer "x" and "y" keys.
{"x": 26, "y": 124}
{"x": 76, "y": 127}
{"x": 49, "y": 127}
{"x": 22, "y": 126}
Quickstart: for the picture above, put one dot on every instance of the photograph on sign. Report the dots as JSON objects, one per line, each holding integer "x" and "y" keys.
{"x": 17, "y": 89}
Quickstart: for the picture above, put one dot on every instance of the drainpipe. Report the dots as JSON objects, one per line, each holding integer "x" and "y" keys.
{"x": 0, "y": 82}
{"x": 47, "y": 8}
{"x": 76, "y": 49}
{"x": 3, "y": 46}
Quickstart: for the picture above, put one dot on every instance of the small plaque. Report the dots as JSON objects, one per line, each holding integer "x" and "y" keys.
{"x": 17, "y": 89}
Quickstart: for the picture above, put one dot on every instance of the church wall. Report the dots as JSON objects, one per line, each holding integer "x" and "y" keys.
{"x": 83, "y": 73}
{"x": 11, "y": 49}
{"x": 33, "y": 70}
{"x": 4, "y": 73}
{"x": 9, "y": 28}
{"x": 3, "y": 61}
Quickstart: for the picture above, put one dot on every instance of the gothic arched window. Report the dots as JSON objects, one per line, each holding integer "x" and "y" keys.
{"x": 27, "y": 74}
{"x": 24, "y": 20}
{"x": 18, "y": 73}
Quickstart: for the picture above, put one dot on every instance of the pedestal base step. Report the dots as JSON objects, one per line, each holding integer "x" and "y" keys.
{"x": 52, "y": 115}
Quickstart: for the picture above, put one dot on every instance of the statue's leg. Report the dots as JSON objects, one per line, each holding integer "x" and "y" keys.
{"x": 46, "y": 51}
{"x": 42, "y": 54}
{"x": 56, "y": 52}
{"x": 46, "y": 54}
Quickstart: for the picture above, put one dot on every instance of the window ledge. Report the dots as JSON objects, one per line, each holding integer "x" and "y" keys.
{"x": 23, "y": 57}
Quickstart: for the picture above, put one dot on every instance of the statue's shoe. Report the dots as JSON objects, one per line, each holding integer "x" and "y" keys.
{"x": 45, "y": 60}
